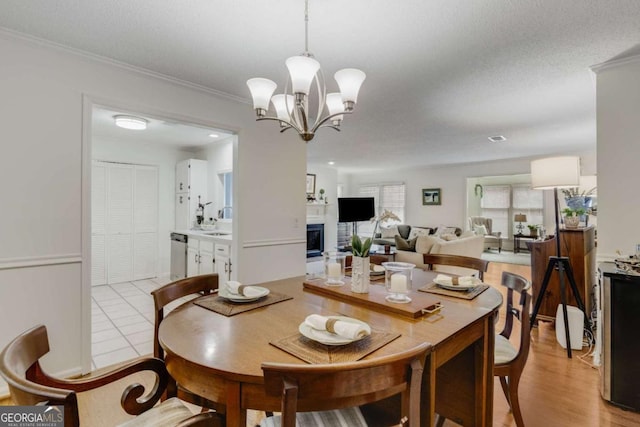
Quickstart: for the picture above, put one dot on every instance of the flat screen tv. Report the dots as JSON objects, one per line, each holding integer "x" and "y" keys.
{"x": 353, "y": 209}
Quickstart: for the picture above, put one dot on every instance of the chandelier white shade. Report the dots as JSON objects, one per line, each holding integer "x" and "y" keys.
{"x": 292, "y": 107}
{"x": 130, "y": 122}
{"x": 555, "y": 172}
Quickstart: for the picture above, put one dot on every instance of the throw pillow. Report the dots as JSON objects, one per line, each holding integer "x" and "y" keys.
{"x": 445, "y": 230}
{"x": 425, "y": 243}
{"x": 480, "y": 230}
{"x": 389, "y": 233}
{"x": 467, "y": 233}
{"x": 419, "y": 231}
{"x": 405, "y": 245}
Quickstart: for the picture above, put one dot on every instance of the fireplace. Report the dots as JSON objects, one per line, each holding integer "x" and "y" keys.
{"x": 315, "y": 240}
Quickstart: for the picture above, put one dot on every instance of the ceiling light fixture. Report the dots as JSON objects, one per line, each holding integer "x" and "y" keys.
{"x": 498, "y": 138}
{"x": 292, "y": 107}
{"x": 131, "y": 122}
{"x": 332, "y": 163}
{"x": 214, "y": 135}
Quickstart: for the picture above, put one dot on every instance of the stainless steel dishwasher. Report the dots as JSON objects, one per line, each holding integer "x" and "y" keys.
{"x": 178, "y": 256}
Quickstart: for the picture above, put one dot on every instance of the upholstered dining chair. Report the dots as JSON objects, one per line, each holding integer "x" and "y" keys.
{"x": 484, "y": 226}
{"x": 166, "y": 295}
{"x": 30, "y": 385}
{"x": 319, "y": 395}
{"x": 509, "y": 361}
{"x": 480, "y": 265}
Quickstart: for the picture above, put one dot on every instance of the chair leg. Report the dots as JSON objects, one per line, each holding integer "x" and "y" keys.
{"x": 439, "y": 422}
{"x": 515, "y": 403}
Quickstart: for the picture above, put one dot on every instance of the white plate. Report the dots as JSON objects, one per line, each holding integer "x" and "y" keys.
{"x": 450, "y": 287}
{"x": 327, "y": 338}
{"x": 241, "y": 298}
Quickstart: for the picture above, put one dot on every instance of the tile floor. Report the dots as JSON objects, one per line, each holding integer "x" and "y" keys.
{"x": 122, "y": 317}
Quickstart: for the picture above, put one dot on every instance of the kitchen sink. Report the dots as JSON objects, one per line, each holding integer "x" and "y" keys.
{"x": 216, "y": 233}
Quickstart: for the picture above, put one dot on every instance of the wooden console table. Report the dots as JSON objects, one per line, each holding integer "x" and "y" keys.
{"x": 579, "y": 246}
{"x": 517, "y": 238}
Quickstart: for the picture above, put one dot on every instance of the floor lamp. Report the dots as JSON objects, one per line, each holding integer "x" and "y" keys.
{"x": 554, "y": 173}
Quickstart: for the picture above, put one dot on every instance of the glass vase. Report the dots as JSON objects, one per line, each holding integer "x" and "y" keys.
{"x": 397, "y": 281}
{"x": 334, "y": 264}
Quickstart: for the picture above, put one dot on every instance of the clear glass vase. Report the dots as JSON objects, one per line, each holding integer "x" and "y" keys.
{"x": 397, "y": 281}
{"x": 334, "y": 264}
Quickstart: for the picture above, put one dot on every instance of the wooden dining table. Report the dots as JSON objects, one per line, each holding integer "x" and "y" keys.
{"x": 219, "y": 357}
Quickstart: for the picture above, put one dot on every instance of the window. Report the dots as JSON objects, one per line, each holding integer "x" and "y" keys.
{"x": 502, "y": 202}
{"x": 387, "y": 196}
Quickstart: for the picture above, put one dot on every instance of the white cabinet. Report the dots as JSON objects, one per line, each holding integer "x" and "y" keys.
{"x": 200, "y": 257}
{"x": 223, "y": 263}
{"x": 191, "y": 182}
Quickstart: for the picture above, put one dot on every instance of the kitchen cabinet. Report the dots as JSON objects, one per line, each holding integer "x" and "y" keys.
{"x": 223, "y": 263}
{"x": 191, "y": 182}
{"x": 200, "y": 259}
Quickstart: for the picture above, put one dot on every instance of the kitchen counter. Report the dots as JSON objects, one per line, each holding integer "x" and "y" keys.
{"x": 226, "y": 236}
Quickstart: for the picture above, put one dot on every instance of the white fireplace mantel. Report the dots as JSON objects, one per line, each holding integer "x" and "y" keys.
{"x": 316, "y": 213}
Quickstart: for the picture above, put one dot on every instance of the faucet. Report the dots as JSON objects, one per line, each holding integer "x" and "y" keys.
{"x": 200, "y": 211}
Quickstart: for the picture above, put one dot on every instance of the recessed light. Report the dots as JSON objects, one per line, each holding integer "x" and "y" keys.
{"x": 131, "y": 122}
{"x": 497, "y": 138}
{"x": 332, "y": 163}
{"x": 214, "y": 135}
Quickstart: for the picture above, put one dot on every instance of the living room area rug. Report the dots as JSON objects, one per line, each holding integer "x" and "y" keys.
{"x": 508, "y": 257}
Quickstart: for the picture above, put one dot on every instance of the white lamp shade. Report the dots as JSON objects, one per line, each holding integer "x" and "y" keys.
{"x": 335, "y": 105}
{"x": 555, "y": 172}
{"x": 302, "y": 70}
{"x": 130, "y": 122}
{"x": 261, "y": 91}
{"x": 283, "y": 106}
{"x": 349, "y": 81}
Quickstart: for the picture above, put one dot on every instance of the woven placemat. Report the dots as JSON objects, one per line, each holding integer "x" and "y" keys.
{"x": 313, "y": 352}
{"x": 229, "y": 308}
{"x": 432, "y": 288}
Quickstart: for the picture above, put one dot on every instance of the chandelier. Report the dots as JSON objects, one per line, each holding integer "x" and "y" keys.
{"x": 292, "y": 106}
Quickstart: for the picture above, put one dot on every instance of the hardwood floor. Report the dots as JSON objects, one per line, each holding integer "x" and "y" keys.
{"x": 554, "y": 390}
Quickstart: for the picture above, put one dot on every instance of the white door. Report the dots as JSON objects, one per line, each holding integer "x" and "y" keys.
{"x": 120, "y": 223}
{"x": 145, "y": 210}
{"x": 98, "y": 224}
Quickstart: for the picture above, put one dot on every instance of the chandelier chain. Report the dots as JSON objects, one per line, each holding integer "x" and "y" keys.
{"x": 306, "y": 26}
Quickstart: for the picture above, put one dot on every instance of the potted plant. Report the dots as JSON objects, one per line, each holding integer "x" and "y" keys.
{"x": 321, "y": 198}
{"x": 572, "y": 216}
{"x": 360, "y": 264}
{"x": 533, "y": 230}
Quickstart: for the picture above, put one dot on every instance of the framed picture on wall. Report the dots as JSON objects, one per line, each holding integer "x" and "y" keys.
{"x": 431, "y": 196}
{"x": 311, "y": 183}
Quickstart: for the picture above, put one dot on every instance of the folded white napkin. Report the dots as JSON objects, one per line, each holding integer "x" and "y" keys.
{"x": 376, "y": 268}
{"x": 348, "y": 330}
{"x": 238, "y": 288}
{"x": 453, "y": 281}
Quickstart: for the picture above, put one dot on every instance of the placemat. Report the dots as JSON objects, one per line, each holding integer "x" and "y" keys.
{"x": 228, "y": 308}
{"x": 313, "y": 352}
{"x": 432, "y": 288}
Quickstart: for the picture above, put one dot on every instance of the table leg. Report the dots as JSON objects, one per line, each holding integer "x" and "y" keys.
{"x": 236, "y": 416}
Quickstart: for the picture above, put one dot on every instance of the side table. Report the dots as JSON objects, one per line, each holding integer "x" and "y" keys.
{"x": 517, "y": 238}
{"x": 391, "y": 255}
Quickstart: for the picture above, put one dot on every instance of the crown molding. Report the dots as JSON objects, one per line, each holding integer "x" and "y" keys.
{"x": 11, "y": 34}
{"x": 614, "y": 63}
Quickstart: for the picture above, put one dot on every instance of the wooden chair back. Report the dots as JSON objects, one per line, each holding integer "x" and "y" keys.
{"x": 480, "y": 265}
{"x": 204, "y": 285}
{"x": 30, "y": 385}
{"x": 305, "y": 388}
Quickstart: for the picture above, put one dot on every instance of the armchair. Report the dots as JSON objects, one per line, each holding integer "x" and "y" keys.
{"x": 491, "y": 238}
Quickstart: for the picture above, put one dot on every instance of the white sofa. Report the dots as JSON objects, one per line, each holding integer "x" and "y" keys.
{"x": 468, "y": 244}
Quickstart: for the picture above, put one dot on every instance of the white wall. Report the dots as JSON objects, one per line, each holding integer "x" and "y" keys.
{"x": 618, "y": 109}
{"x": 45, "y": 171}
{"x": 165, "y": 158}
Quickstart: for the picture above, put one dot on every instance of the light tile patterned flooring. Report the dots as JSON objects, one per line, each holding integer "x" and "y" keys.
{"x": 122, "y": 317}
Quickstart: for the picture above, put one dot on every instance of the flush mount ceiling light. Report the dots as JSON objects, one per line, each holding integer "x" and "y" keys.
{"x": 292, "y": 106}
{"x": 498, "y": 138}
{"x": 214, "y": 135}
{"x": 130, "y": 122}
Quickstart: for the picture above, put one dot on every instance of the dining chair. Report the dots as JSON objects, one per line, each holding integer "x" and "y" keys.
{"x": 480, "y": 265}
{"x": 162, "y": 297}
{"x": 331, "y": 394}
{"x": 509, "y": 361}
{"x": 29, "y": 385}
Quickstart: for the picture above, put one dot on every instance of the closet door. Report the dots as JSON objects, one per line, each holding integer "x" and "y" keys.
{"x": 98, "y": 224}
{"x": 145, "y": 237}
{"x": 120, "y": 223}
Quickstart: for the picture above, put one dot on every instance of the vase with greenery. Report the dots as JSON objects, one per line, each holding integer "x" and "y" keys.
{"x": 321, "y": 198}
{"x": 572, "y": 216}
{"x": 360, "y": 265}
{"x": 533, "y": 230}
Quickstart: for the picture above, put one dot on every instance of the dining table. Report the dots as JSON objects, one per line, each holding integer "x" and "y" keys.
{"x": 219, "y": 356}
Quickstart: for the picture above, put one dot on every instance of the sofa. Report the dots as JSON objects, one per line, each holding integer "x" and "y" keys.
{"x": 387, "y": 236}
{"x": 467, "y": 244}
